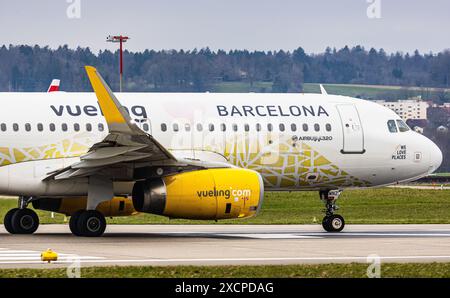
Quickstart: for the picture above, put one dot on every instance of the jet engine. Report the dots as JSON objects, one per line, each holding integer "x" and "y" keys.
{"x": 204, "y": 194}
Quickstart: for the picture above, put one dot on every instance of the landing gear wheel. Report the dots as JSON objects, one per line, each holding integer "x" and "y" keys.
{"x": 7, "y": 221}
{"x": 91, "y": 223}
{"x": 333, "y": 223}
{"x": 325, "y": 223}
{"x": 73, "y": 222}
{"x": 24, "y": 221}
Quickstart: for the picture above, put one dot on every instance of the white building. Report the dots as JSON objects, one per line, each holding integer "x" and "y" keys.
{"x": 413, "y": 108}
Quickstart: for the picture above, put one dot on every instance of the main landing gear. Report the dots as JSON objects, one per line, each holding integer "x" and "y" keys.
{"x": 87, "y": 223}
{"x": 331, "y": 222}
{"x": 21, "y": 220}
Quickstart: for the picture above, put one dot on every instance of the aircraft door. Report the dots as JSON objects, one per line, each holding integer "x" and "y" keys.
{"x": 353, "y": 134}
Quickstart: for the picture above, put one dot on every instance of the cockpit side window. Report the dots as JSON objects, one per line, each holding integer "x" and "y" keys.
{"x": 391, "y": 126}
{"x": 402, "y": 126}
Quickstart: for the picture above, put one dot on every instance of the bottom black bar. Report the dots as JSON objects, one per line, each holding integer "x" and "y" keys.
{"x": 198, "y": 287}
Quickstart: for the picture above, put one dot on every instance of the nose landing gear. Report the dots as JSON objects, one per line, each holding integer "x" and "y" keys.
{"x": 21, "y": 220}
{"x": 331, "y": 222}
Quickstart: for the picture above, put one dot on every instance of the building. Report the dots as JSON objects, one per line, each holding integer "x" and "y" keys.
{"x": 444, "y": 106}
{"x": 413, "y": 108}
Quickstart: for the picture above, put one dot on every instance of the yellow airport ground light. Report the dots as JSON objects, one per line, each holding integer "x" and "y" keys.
{"x": 49, "y": 256}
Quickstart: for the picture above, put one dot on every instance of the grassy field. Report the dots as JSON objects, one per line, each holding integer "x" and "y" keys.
{"x": 372, "y": 91}
{"x": 353, "y": 90}
{"x": 242, "y": 87}
{"x": 369, "y": 206}
{"x": 435, "y": 270}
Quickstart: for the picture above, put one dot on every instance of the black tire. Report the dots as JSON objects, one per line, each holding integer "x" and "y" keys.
{"x": 325, "y": 223}
{"x": 24, "y": 221}
{"x": 7, "y": 221}
{"x": 91, "y": 223}
{"x": 73, "y": 222}
{"x": 333, "y": 223}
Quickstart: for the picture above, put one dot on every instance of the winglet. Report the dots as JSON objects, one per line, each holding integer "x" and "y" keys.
{"x": 115, "y": 114}
{"x": 322, "y": 90}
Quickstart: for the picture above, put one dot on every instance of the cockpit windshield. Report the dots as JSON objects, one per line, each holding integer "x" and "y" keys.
{"x": 402, "y": 126}
{"x": 391, "y": 126}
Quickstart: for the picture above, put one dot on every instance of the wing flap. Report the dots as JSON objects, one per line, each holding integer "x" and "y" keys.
{"x": 95, "y": 163}
{"x": 74, "y": 173}
{"x": 107, "y": 152}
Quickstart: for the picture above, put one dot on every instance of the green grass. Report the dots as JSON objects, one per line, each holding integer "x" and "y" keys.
{"x": 364, "y": 206}
{"x": 353, "y": 90}
{"x": 441, "y": 174}
{"x": 372, "y": 91}
{"x": 435, "y": 270}
{"x": 242, "y": 87}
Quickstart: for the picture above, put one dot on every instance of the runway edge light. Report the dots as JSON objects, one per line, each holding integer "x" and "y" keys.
{"x": 49, "y": 256}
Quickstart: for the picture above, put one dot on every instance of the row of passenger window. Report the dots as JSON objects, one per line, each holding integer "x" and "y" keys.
{"x": 223, "y": 127}
{"x": 176, "y": 127}
{"x": 52, "y": 127}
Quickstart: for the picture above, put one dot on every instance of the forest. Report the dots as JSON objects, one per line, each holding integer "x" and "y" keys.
{"x": 31, "y": 68}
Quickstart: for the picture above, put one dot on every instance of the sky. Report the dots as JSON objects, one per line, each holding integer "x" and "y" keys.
{"x": 394, "y": 25}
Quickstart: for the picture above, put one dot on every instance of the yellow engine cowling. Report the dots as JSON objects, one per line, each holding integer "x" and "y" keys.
{"x": 205, "y": 194}
{"x": 118, "y": 206}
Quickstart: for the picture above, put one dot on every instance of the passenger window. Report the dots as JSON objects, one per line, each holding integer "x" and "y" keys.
{"x": 281, "y": 126}
{"x": 175, "y": 127}
{"x": 52, "y": 127}
{"x": 76, "y": 127}
{"x": 305, "y": 127}
{"x": 402, "y": 126}
{"x": 211, "y": 127}
{"x": 199, "y": 127}
{"x": 27, "y": 126}
{"x": 187, "y": 127}
{"x": 3, "y": 127}
{"x": 40, "y": 127}
{"x": 246, "y": 127}
{"x": 258, "y": 127}
{"x": 88, "y": 127}
{"x": 223, "y": 127}
{"x": 316, "y": 127}
{"x": 16, "y": 127}
{"x": 328, "y": 127}
{"x": 391, "y": 126}
{"x": 64, "y": 127}
{"x": 293, "y": 127}
{"x": 163, "y": 127}
{"x": 101, "y": 127}
{"x": 269, "y": 127}
{"x": 235, "y": 127}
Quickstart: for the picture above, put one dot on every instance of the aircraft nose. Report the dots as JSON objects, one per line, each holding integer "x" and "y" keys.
{"x": 435, "y": 157}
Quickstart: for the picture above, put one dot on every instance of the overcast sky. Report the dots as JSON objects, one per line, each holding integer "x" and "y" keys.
{"x": 404, "y": 25}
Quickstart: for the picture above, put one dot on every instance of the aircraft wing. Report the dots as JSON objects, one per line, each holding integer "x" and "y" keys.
{"x": 127, "y": 150}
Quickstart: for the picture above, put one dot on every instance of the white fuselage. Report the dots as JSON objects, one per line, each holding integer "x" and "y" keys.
{"x": 296, "y": 141}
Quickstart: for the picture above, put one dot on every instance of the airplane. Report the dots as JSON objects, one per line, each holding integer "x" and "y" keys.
{"x": 54, "y": 86}
{"x": 197, "y": 156}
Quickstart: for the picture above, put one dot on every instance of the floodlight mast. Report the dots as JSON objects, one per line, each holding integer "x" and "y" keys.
{"x": 120, "y": 39}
